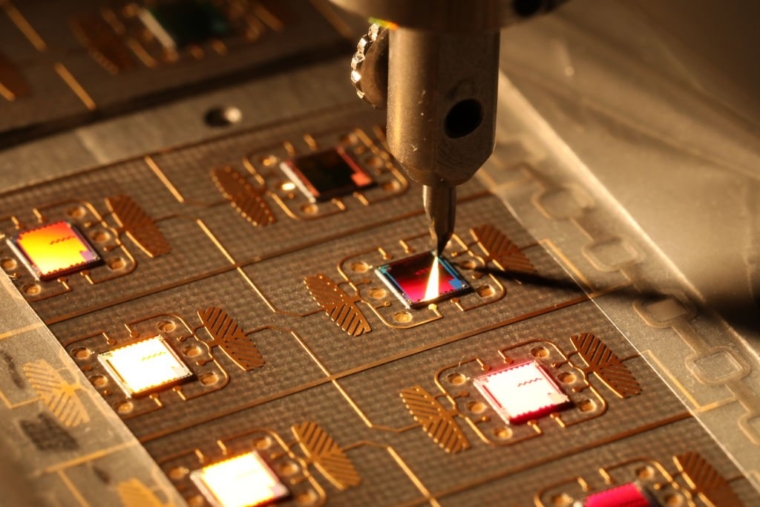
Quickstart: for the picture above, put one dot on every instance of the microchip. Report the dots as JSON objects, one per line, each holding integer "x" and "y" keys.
{"x": 627, "y": 495}
{"x": 145, "y": 366}
{"x": 54, "y": 250}
{"x": 327, "y": 174}
{"x": 413, "y": 280}
{"x": 520, "y": 393}
{"x": 241, "y": 481}
{"x": 181, "y": 23}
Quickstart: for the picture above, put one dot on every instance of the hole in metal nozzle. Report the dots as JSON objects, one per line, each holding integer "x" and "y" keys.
{"x": 463, "y": 119}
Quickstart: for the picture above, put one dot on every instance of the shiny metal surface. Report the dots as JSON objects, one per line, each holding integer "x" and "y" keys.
{"x": 424, "y": 94}
{"x": 369, "y": 67}
{"x": 449, "y": 15}
{"x": 440, "y": 209}
{"x": 442, "y": 87}
{"x": 441, "y": 116}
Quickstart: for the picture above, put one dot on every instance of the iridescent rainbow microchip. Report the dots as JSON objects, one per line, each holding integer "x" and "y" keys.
{"x": 54, "y": 250}
{"x": 627, "y": 495}
{"x": 422, "y": 279}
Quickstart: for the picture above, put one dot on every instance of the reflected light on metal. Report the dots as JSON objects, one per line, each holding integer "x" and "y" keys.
{"x": 431, "y": 292}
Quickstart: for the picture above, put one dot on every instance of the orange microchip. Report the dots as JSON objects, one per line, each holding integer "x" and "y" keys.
{"x": 53, "y": 250}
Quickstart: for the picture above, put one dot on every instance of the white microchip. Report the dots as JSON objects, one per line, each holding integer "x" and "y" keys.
{"x": 242, "y": 481}
{"x": 144, "y": 366}
{"x": 521, "y": 392}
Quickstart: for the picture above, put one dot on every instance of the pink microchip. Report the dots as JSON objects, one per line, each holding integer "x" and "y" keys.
{"x": 628, "y": 495}
{"x": 521, "y": 392}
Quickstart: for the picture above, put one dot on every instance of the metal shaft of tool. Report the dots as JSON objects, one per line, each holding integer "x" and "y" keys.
{"x": 443, "y": 68}
{"x": 440, "y": 208}
{"x": 442, "y": 114}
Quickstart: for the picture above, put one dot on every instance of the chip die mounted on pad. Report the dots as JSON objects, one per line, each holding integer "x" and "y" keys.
{"x": 413, "y": 279}
{"x": 181, "y": 23}
{"x": 53, "y": 250}
{"x": 627, "y": 495}
{"x": 241, "y": 481}
{"x": 327, "y": 174}
{"x": 145, "y": 366}
{"x": 521, "y": 393}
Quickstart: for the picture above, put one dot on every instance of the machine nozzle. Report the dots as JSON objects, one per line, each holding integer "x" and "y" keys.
{"x": 440, "y": 208}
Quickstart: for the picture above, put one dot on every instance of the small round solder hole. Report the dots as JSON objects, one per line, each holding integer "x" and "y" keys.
{"x": 463, "y": 119}
{"x": 349, "y": 139}
{"x": 33, "y": 289}
{"x": 457, "y": 379}
{"x": 223, "y": 116}
{"x": 166, "y": 326}
{"x": 469, "y": 264}
{"x": 130, "y": 10}
{"x": 307, "y": 498}
{"x": 116, "y": 263}
{"x": 540, "y": 352}
{"x": 178, "y": 473}
{"x": 125, "y": 408}
{"x": 81, "y": 353}
{"x": 269, "y": 160}
{"x": 359, "y": 267}
{"x": 9, "y": 264}
{"x": 586, "y": 405}
{"x": 486, "y": 291}
{"x": 375, "y": 162}
{"x": 169, "y": 56}
{"x": 287, "y": 186}
{"x": 402, "y": 317}
{"x": 673, "y": 500}
{"x": 476, "y": 407}
{"x": 645, "y": 473}
{"x": 100, "y": 237}
{"x": 262, "y": 443}
{"x": 502, "y": 433}
{"x": 527, "y": 8}
{"x": 99, "y": 381}
{"x": 391, "y": 186}
{"x": 197, "y": 53}
{"x": 192, "y": 351}
{"x": 196, "y": 501}
{"x": 567, "y": 378}
{"x": 77, "y": 212}
{"x": 378, "y": 293}
{"x": 562, "y": 500}
{"x": 310, "y": 209}
{"x": 289, "y": 469}
{"x": 209, "y": 379}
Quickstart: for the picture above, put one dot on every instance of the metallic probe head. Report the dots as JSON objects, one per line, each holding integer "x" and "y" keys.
{"x": 436, "y": 70}
{"x": 440, "y": 208}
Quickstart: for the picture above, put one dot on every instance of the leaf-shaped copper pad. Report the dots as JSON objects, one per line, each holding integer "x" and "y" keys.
{"x": 436, "y": 421}
{"x": 339, "y": 306}
{"x": 231, "y": 338}
{"x": 606, "y": 365}
{"x": 243, "y": 196}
